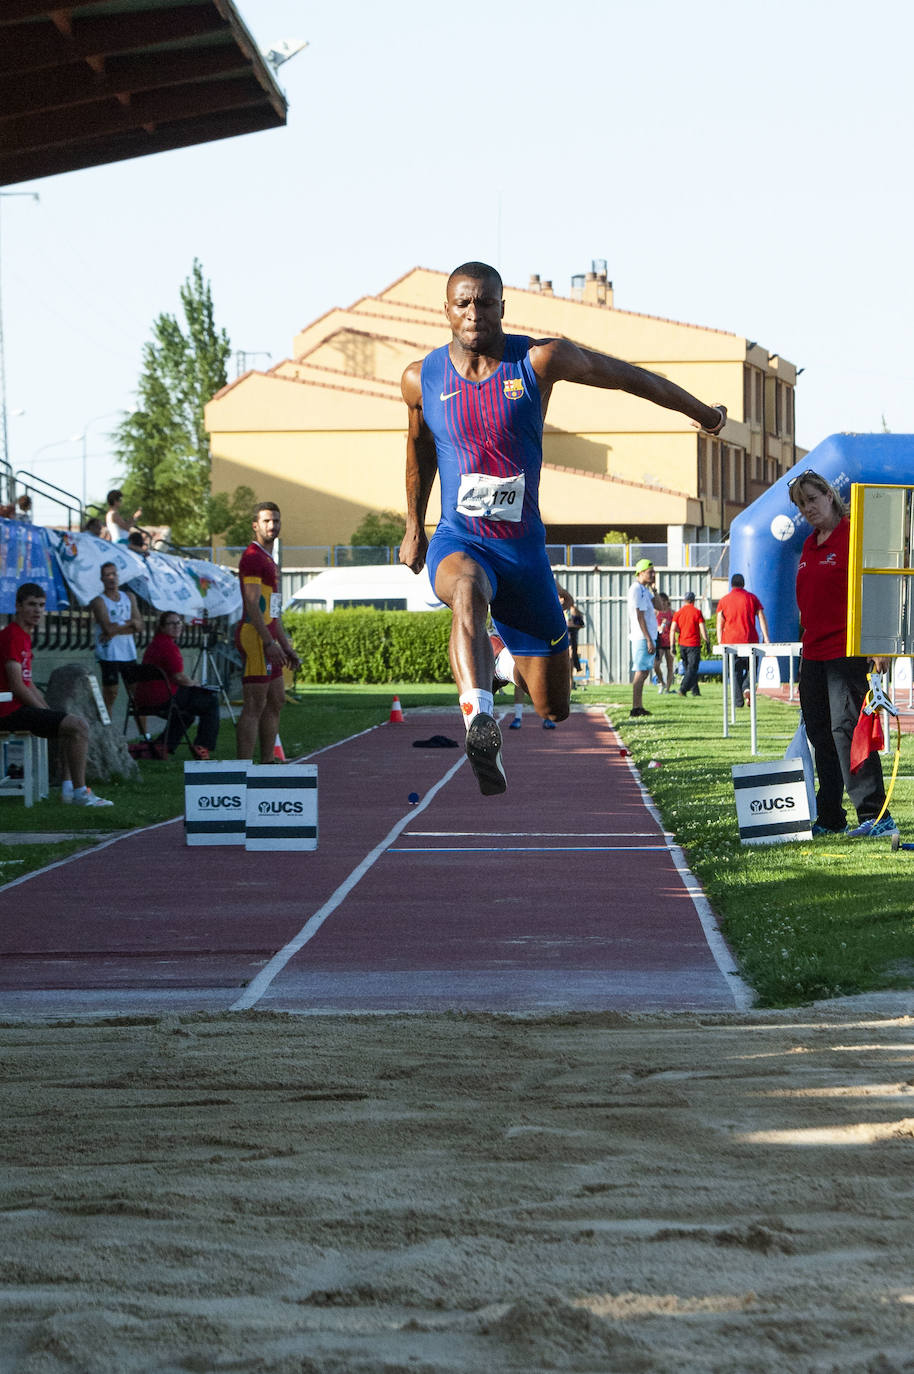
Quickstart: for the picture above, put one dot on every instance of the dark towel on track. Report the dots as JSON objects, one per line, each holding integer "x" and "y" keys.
{"x": 436, "y": 742}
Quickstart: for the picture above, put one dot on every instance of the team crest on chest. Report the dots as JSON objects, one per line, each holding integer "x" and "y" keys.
{"x": 514, "y": 388}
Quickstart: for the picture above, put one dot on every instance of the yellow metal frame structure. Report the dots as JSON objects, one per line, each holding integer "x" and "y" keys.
{"x": 859, "y": 571}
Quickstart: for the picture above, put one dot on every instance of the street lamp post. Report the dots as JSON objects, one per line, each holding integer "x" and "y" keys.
{"x": 84, "y": 438}
{"x": 4, "y": 435}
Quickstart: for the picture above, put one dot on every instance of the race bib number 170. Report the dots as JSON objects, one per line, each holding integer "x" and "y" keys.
{"x": 482, "y": 497}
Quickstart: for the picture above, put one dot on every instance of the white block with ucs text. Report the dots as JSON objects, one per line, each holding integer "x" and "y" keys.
{"x": 281, "y": 808}
{"x": 772, "y": 803}
{"x": 214, "y": 801}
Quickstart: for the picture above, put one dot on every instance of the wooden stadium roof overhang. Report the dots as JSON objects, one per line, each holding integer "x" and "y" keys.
{"x": 83, "y": 84}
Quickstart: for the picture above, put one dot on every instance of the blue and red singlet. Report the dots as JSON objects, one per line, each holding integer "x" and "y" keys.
{"x": 489, "y": 441}
{"x": 489, "y": 438}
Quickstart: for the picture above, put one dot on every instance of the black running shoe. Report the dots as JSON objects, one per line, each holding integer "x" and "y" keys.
{"x": 484, "y": 752}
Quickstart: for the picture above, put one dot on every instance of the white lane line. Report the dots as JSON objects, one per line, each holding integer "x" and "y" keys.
{"x": 259, "y": 984}
{"x": 528, "y": 848}
{"x": 535, "y": 834}
{"x": 741, "y": 992}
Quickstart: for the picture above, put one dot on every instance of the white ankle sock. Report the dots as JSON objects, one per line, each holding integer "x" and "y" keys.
{"x": 473, "y": 701}
{"x": 66, "y": 788}
{"x": 504, "y": 666}
{"x": 518, "y": 710}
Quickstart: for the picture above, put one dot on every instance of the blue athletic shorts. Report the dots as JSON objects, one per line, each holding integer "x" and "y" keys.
{"x": 642, "y": 658}
{"x": 525, "y": 605}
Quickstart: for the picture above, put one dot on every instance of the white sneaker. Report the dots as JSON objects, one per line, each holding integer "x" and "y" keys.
{"x": 88, "y": 798}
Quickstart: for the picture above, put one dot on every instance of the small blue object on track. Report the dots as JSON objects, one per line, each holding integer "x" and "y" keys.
{"x": 413, "y": 798}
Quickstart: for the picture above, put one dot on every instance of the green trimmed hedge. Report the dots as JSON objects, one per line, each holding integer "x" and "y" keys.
{"x": 365, "y": 645}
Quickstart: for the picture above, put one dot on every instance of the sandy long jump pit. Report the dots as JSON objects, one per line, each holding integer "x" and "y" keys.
{"x": 458, "y": 1194}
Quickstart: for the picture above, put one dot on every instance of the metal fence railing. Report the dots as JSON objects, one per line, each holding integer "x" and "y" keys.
{"x": 319, "y": 556}
{"x": 601, "y": 593}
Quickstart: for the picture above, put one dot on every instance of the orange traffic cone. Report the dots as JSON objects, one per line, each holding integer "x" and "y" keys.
{"x": 278, "y": 753}
{"x": 396, "y": 712}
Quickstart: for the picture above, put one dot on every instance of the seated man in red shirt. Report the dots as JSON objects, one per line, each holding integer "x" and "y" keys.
{"x": 29, "y": 711}
{"x": 689, "y": 628}
{"x": 193, "y": 701}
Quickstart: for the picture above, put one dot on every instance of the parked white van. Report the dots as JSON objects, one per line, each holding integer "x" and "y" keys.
{"x": 386, "y": 587}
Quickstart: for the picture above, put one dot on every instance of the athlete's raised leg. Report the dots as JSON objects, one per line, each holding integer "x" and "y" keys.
{"x": 548, "y": 684}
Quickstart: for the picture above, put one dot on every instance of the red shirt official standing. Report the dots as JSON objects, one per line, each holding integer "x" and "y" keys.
{"x": 832, "y": 685}
{"x": 690, "y": 626}
{"x": 689, "y": 629}
{"x": 737, "y": 613}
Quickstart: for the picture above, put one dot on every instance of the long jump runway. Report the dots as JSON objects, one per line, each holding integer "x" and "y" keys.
{"x": 563, "y": 894}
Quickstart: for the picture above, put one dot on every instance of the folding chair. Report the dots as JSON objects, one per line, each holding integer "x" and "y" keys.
{"x": 24, "y": 766}
{"x": 135, "y": 673}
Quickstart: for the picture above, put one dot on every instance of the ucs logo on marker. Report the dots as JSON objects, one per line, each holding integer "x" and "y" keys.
{"x": 224, "y": 803}
{"x": 280, "y": 808}
{"x": 771, "y": 804}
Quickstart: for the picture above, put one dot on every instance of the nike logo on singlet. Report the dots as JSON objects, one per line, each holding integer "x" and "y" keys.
{"x": 446, "y": 395}
{"x": 553, "y": 642}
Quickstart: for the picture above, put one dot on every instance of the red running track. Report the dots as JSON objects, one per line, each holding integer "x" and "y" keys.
{"x": 563, "y": 894}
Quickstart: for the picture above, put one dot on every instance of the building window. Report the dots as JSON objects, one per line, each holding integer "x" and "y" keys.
{"x": 758, "y": 407}
{"x": 715, "y": 470}
{"x": 747, "y": 394}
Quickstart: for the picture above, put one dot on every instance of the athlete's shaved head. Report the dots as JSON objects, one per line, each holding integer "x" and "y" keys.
{"x": 478, "y": 271}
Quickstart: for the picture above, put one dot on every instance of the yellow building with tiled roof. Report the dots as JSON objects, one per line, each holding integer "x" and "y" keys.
{"x": 323, "y": 432}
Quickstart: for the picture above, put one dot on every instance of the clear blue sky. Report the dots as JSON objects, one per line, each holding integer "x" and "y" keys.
{"x": 742, "y": 167}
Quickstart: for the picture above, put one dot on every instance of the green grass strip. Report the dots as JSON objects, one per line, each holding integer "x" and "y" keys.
{"x": 806, "y": 920}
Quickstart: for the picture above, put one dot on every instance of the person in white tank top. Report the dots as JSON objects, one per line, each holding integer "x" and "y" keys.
{"x": 117, "y": 621}
{"x": 118, "y": 528}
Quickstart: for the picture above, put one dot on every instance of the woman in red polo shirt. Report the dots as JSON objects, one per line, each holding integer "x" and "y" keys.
{"x": 833, "y": 686}
{"x": 191, "y": 699}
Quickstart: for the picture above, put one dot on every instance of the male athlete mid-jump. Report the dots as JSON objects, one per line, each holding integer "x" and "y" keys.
{"x": 476, "y": 411}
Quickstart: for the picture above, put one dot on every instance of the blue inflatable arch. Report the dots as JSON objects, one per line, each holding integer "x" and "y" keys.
{"x": 766, "y": 538}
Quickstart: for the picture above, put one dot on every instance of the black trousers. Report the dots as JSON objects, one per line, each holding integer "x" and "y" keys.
{"x": 740, "y": 673}
{"x": 831, "y": 694}
{"x": 192, "y": 703}
{"x": 691, "y": 657}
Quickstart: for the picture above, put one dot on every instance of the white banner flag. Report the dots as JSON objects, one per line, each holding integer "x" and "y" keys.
{"x": 189, "y": 586}
{"x": 81, "y": 557}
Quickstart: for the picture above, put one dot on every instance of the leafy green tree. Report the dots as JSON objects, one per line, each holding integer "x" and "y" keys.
{"x": 163, "y": 444}
{"x": 380, "y": 529}
{"x": 619, "y": 537}
{"x": 231, "y": 516}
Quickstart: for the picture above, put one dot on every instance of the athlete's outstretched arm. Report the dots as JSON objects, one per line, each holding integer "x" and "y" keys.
{"x": 421, "y": 467}
{"x": 560, "y": 360}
